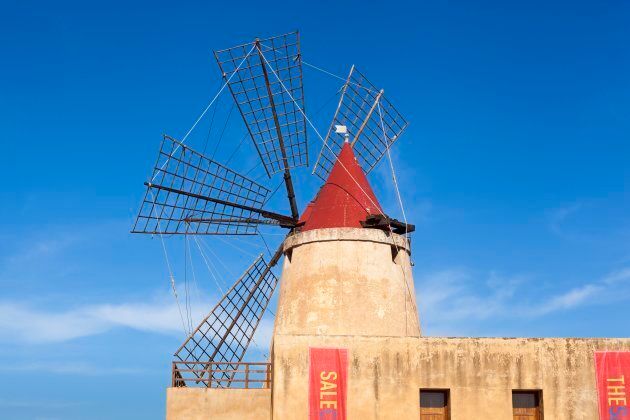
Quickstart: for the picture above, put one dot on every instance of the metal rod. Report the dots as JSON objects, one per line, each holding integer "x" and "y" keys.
{"x": 283, "y": 219}
{"x": 230, "y": 220}
{"x": 285, "y": 161}
{"x": 365, "y": 121}
{"x": 343, "y": 93}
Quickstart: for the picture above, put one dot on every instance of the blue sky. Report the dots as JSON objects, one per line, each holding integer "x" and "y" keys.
{"x": 514, "y": 168}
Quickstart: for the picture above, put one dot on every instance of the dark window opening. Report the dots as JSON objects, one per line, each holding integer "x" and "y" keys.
{"x": 527, "y": 405}
{"x": 434, "y": 404}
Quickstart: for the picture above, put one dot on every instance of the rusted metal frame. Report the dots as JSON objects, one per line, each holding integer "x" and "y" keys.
{"x": 369, "y": 152}
{"x": 270, "y": 123}
{"x": 362, "y": 108}
{"x": 225, "y": 180}
{"x": 193, "y": 162}
{"x": 228, "y": 306}
{"x": 299, "y": 58}
{"x": 289, "y": 58}
{"x": 249, "y": 100}
{"x": 253, "y": 78}
{"x": 389, "y": 144}
{"x": 161, "y": 215}
{"x": 146, "y": 196}
{"x": 242, "y": 221}
{"x": 236, "y": 284}
{"x": 234, "y": 369}
{"x": 391, "y": 117}
{"x": 236, "y": 220}
{"x": 180, "y": 162}
{"x": 247, "y": 44}
{"x": 154, "y": 211}
{"x": 216, "y": 56}
{"x": 244, "y": 305}
{"x": 284, "y": 220}
{"x": 272, "y": 153}
{"x": 287, "y": 172}
{"x": 269, "y": 146}
{"x": 187, "y": 166}
{"x": 217, "y": 175}
{"x": 360, "y": 98}
{"x": 274, "y": 260}
{"x": 324, "y": 148}
{"x": 172, "y": 220}
{"x": 285, "y": 115}
{"x": 347, "y": 111}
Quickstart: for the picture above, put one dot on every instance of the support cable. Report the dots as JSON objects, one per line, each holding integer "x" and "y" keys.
{"x": 205, "y": 260}
{"x": 391, "y": 166}
{"x": 402, "y": 209}
{"x": 205, "y": 111}
{"x": 209, "y": 249}
{"x": 168, "y": 265}
{"x": 227, "y": 120}
{"x": 338, "y": 77}
{"x": 187, "y": 295}
{"x": 192, "y": 269}
{"x": 205, "y": 145}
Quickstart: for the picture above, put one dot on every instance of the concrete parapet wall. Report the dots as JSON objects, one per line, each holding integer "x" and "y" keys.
{"x": 385, "y": 375}
{"x": 218, "y": 403}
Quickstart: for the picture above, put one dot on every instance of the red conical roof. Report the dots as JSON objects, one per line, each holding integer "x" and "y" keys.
{"x": 345, "y": 199}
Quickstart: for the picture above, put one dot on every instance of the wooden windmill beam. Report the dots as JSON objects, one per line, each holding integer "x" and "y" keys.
{"x": 285, "y": 161}
{"x": 367, "y": 118}
{"x": 285, "y": 221}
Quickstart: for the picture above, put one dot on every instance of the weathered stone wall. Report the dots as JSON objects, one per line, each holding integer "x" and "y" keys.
{"x": 347, "y": 281}
{"x": 385, "y": 375}
{"x": 213, "y": 403}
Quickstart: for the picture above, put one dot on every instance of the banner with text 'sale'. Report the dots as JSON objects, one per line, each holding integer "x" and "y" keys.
{"x": 327, "y": 383}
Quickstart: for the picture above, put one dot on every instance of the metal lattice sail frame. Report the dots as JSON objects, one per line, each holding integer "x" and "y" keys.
{"x": 192, "y": 194}
{"x": 251, "y": 86}
{"x": 265, "y": 80}
{"x": 360, "y": 109}
{"x": 224, "y": 335}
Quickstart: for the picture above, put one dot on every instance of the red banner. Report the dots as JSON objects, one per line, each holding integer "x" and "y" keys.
{"x": 613, "y": 384}
{"x": 327, "y": 383}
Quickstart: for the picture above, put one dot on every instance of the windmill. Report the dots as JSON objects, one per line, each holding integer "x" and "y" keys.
{"x": 192, "y": 194}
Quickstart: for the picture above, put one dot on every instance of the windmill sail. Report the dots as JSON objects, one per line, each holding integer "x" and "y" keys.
{"x": 372, "y": 122}
{"x": 269, "y": 68}
{"x": 224, "y": 335}
{"x": 192, "y": 194}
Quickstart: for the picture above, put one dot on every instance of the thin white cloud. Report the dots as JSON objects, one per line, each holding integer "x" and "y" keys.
{"x": 23, "y": 322}
{"x": 568, "y": 300}
{"x": 449, "y": 297}
{"x": 559, "y": 215}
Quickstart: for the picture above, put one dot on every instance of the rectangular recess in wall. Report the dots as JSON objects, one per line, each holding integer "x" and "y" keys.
{"x": 527, "y": 405}
{"x": 434, "y": 404}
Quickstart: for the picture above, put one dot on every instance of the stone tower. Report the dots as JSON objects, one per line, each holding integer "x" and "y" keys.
{"x": 340, "y": 282}
{"x": 340, "y": 278}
